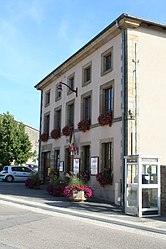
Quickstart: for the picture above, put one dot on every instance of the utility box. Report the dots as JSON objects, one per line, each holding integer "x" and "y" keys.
{"x": 142, "y": 185}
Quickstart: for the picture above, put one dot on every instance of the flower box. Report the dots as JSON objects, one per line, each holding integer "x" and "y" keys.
{"x": 55, "y": 133}
{"x": 84, "y": 125}
{"x": 66, "y": 130}
{"x": 104, "y": 177}
{"x": 44, "y": 137}
{"x": 78, "y": 192}
{"x": 105, "y": 119}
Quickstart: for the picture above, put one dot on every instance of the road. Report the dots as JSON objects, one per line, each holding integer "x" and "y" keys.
{"x": 32, "y": 228}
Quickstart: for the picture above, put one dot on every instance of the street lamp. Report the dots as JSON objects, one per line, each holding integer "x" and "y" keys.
{"x": 59, "y": 87}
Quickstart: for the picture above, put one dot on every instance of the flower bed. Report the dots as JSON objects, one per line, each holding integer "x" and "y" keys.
{"x": 33, "y": 182}
{"x": 105, "y": 119}
{"x": 56, "y": 186}
{"x": 56, "y": 190}
{"x": 75, "y": 185}
{"x": 84, "y": 125}
{"x": 68, "y": 191}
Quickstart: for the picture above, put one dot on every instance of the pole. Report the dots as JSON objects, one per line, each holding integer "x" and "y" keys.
{"x": 136, "y": 61}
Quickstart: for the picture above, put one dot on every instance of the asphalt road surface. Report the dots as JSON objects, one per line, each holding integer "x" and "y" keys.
{"x": 32, "y": 228}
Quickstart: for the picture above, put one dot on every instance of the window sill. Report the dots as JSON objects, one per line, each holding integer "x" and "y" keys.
{"x": 86, "y": 83}
{"x": 106, "y": 71}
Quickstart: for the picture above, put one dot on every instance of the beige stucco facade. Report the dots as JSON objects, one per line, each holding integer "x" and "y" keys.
{"x": 33, "y": 135}
{"x": 138, "y": 50}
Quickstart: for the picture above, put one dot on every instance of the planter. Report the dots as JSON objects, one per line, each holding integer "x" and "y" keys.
{"x": 77, "y": 195}
{"x": 105, "y": 119}
{"x": 83, "y": 125}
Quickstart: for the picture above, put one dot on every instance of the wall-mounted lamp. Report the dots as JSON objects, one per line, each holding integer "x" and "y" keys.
{"x": 59, "y": 87}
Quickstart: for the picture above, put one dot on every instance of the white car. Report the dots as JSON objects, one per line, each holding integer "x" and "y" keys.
{"x": 15, "y": 173}
{"x": 33, "y": 167}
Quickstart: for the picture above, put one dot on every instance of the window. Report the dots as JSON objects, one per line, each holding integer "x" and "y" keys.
{"x": 57, "y": 119}
{"x": 87, "y": 108}
{"x": 70, "y": 82}
{"x": 16, "y": 168}
{"x": 106, "y": 99}
{"x": 46, "y": 123}
{"x": 45, "y": 162}
{"x": 25, "y": 169}
{"x": 87, "y": 73}
{"x": 86, "y": 158}
{"x": 70, "y": 114}
{"x": 106, "y": 61}
{"x": 47, "y": 98}
{"x": 58, "y": 93}
{"x": 106, "y": 161}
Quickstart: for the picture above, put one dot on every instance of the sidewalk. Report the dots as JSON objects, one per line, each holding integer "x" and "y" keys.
{"x": 92, "y": 209}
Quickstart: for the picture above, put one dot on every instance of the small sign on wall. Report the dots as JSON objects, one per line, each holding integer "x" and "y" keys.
{"x": 76, "y": 165}
{"x": 94, "y": 165}
{"x": 61, "y": 166}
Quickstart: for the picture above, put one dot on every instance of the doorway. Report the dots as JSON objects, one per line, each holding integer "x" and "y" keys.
{"x": 46, "y": 165}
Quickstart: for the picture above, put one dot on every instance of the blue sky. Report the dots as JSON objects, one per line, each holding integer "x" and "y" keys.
{"x": 38, "y": 35}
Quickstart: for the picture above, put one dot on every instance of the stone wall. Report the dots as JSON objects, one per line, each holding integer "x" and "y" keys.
{"x": 163, "y": 190}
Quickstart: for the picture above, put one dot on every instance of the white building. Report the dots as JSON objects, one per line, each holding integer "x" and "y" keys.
{"x": 120, "y": 71}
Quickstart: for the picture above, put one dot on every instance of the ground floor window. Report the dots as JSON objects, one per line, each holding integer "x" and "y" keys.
{"x": 85, "y": 165}
{"x": 106, "y": 156}
{"x": 45, "y": 162}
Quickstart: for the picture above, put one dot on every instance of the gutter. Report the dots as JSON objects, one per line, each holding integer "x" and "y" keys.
{"x": 124, "y": 124}
{"x": 39, "y": 155}
{"x": 124, "y": 97}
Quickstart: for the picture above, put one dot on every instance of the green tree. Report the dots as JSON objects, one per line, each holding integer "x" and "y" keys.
{"x": 14, "y": 142}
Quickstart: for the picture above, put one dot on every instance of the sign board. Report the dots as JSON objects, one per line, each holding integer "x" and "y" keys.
{"x": 76, "y": 165}
{"x": 61, "y": 166}
{"x": 94, "y": 165}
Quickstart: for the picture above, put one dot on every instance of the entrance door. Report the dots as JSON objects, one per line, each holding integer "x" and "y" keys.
{"x": 46, "y": 165}
{"x": 131, "y": 191}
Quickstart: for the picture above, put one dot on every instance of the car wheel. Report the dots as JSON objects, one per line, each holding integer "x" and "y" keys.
{"x": 9, "y": 178}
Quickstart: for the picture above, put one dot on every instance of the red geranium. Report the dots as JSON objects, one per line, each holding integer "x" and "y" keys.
{"x": 55, "y": 133}
{"x": 66, "y": 130}
{"x": 104, "y": 177}
{"x": 105, "y": 119}
{"x": 44, "y": 137}
{"x": 84, "y": 125}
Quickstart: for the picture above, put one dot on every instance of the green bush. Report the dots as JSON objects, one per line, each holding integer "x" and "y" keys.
{"x": 75, "y": 181}
{"x": 1, "y": 167}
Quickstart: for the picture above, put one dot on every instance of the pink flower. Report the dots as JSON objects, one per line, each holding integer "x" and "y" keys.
{"x": 87, "y": 190}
